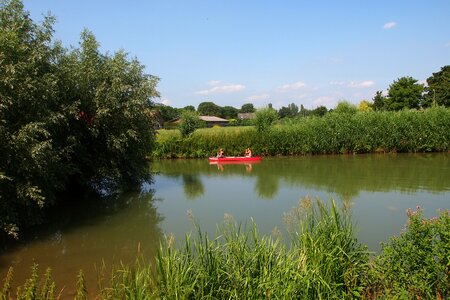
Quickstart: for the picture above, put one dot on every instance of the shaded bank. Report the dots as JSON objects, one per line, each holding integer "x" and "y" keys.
{"x": 92, "y": 235}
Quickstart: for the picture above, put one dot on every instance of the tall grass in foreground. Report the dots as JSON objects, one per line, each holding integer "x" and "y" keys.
{"x": 322, "y": 261}
{"x": 334, "y": 133}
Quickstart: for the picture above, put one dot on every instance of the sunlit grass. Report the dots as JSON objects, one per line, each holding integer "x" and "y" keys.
{"x": 368, "y": 132}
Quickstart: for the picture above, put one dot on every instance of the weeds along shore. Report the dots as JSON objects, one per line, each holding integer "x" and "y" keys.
{"x": 321, "y": 259}
{"x": 335, "y": 133}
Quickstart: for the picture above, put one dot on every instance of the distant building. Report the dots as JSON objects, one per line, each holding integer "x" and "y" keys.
{"x": 209, "y": 120}
{"x": 246, "y": 116}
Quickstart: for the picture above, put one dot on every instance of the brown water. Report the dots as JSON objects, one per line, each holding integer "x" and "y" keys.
{"x": 378, "y": 188}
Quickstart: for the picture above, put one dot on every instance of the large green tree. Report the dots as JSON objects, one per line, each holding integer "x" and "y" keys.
{"x": 68, "y": 119}
{"x": 438, "y": 90}
{"x": 405, "y": 92}
{"x": 228, "y": 112}
{"x": 208, "y": 109}
{"x": 247, "y": 108}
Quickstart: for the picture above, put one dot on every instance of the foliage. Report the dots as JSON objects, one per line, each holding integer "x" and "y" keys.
{"x": 344, "y": 107}
{"x": 228, "y": 112}
{"x": 323, "y": 262}
{"x": 405, "y": 92}
{"x": 319, "y": 111}
{"x": 189, "y": 107}
{"x": 190, "y": 121}
{"x": 365, "y": 105}
{"x": 290, "y": 111}
{"x": 362, "y": 132}
{"x": 167, "y": 112}
{"x": 416, "y": 263}
{"x": 247, "y": 108}
{"x": 73, "y": 119}
{"x": 379, "y": 101}
{"x": 33, "y": 288}
{"x": 264, "y": 119}
{"x": 208, "y": 109}
{"x": 438, "y": 90}
{"x": 232, "y": 122}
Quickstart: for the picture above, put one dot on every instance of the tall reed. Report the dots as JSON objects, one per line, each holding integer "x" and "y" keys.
{"x": 334, "y": 133}
{"x": 324, "y": 261}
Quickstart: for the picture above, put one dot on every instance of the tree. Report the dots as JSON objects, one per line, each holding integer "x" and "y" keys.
{"x": 189, "y": 107}
{"x": 319, "y": 111}
{"x": 345, "y": 107}
{"x": 190, "y": 121}
{"x": 405, "y": 92}
{"x": 247, "y": 108}
{"x": 68, "y": 119}
{"x": 379, "y": 101}
{"x": 290, "y": 111}
{"x": 228, "y": 112}
{"x": 168, "y": 112}
{"x": 208, "y": 109}
{"x": 438, "y": 90}
{"x": 264, "y": 118}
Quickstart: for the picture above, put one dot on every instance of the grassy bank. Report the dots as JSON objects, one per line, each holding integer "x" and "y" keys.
{"x": 335, "y": 133}
{"x": 321, "y": 260}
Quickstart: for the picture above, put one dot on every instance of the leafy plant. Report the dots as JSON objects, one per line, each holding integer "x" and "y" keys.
{"x": 190, "y": 121}
{"x": 417, "y": 263}
{"x": 264, "y": 119}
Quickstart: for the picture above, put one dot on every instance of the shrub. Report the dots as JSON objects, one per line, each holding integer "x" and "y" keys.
{"x": 190, "y": 121}
{"x": 416, "y": 263}
{"x": 264, "y": 118}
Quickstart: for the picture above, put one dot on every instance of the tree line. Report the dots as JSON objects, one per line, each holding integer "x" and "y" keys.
{"x": 404, "y": 93}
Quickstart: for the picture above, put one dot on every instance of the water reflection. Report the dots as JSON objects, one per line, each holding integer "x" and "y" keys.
{"x": 87, "y": 236}
{"x": 377, "y": 189}
{"x": 344, "y": 175}
{"x": 193, "y": 187}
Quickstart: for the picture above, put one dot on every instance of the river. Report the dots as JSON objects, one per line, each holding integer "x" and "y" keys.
{"x": 376, "y": 188}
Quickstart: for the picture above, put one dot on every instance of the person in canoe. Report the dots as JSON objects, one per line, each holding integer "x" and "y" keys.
{"x": 248, "y": 152}
{"x": 220, "y": 153}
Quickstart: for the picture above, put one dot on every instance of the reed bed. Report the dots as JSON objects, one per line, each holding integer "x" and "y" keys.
{"x": 334, "y": 133}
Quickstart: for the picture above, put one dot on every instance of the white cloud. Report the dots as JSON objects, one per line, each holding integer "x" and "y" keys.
{"x": 165, "y": 101}
{"x": 222, "y": 89}
{"x": 214, "y": 82}
{"x": 258, "y": 97}
{"x": 292, "y": 86}
{"x": 390, "y": 25}
{"x": 361, "y": 84}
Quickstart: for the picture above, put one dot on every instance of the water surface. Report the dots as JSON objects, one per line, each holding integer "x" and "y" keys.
{"x": 377, "y": 188}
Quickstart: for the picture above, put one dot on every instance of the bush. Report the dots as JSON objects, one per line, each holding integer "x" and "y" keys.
{"x": 264, "y": 118}
{"x": 416, "y": 263}
{"x": 190, "y": 121}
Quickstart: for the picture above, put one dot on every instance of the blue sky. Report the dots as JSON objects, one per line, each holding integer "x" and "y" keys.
{"x": 280, "y": 52}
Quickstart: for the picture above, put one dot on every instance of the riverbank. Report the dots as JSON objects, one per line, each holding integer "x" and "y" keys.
{"x": 323, "y": 259}
{"x": 334, "y": 133}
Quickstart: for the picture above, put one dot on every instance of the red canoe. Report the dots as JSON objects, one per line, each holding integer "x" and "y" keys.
{"x": 234, "y": 158}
